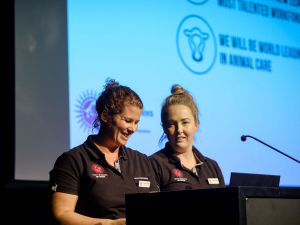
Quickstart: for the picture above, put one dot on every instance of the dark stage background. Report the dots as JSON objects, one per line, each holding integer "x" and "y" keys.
{"x": 225, "y": 114}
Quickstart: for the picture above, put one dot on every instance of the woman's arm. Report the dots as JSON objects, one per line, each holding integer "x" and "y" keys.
{"x": 63, "y": 209}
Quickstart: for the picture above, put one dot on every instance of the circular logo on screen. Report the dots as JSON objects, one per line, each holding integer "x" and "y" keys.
{"x": 197, "y": 2}
{"x": 97, "y": 168}
{"x": 86, "y": 112}
{"x": 196, "y": 44}
{"x": 178, "y": 173}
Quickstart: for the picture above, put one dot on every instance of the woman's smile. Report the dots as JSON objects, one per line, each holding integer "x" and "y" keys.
{"x": 123, "y": 125}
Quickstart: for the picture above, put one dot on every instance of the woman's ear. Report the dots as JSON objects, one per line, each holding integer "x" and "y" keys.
{"x": 163, "y": 127}
{"x": 197, "y": 126}
{"x": 104, "y": 116}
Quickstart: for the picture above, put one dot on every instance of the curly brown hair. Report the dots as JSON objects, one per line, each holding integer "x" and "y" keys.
{"x": 113, "y": 99}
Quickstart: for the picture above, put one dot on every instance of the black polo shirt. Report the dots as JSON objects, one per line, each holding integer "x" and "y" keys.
{"x": 100, "y": 187}
{"x": 171, "y": 175}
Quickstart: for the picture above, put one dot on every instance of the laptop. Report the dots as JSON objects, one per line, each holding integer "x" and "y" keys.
{"x": 253, "y": 180}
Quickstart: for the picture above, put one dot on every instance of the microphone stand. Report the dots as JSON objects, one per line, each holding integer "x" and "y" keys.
{"x": 244, "y": 137}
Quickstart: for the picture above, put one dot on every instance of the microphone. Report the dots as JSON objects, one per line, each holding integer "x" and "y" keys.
{"x": 244, "y": 137}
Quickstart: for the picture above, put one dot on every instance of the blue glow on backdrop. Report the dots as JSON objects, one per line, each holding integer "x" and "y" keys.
{"x": 239, "y": 59}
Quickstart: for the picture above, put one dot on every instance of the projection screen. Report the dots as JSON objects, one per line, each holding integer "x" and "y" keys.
{"x": 239, "y": 59}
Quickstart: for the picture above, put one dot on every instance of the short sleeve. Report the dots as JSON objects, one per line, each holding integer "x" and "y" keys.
{"x": 65, "y": 176}
{"x": 157, "y": 170}
{"x": 153, "y": 183}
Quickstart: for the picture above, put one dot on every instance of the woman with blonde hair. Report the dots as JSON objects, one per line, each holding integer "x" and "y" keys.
{"x": 180, "y": 166}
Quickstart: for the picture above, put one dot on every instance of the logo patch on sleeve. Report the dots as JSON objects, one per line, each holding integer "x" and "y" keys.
{"x": 54, "y": 187}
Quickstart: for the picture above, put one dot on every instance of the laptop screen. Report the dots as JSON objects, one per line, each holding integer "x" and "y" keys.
{"x": 254, "y": 180}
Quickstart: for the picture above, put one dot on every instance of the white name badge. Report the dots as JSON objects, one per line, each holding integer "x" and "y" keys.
{"x": 213, "y": 180}
{"x": 145, "y": 184}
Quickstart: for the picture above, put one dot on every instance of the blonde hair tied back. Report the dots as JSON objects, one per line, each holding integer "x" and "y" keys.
{"x": 176, "y": 89}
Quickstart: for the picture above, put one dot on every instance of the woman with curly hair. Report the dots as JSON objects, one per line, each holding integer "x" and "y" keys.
{"x": 90, "y": 181}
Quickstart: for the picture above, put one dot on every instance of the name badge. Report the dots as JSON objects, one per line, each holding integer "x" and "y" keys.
{"x": 213, "y": 180}
{"x": 145, "y": 184}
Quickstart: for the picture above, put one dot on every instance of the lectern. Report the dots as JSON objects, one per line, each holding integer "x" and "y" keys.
{"x": 231, "y": 205}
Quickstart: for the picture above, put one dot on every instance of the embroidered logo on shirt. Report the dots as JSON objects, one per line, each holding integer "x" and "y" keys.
{"x": 99, "y": 170}
{"x": 179, "y": 175}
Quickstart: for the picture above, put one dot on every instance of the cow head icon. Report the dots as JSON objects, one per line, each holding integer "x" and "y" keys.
{"x": 196, "y": 41}
{"x": 196, "y": 44}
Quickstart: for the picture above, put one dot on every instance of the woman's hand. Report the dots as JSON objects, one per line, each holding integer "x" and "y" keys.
{"x": 63, "y": 209}
{"x": 118, "y": 222}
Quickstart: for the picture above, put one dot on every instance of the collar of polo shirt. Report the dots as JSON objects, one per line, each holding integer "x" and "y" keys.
{"x": 91, "y": 147}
